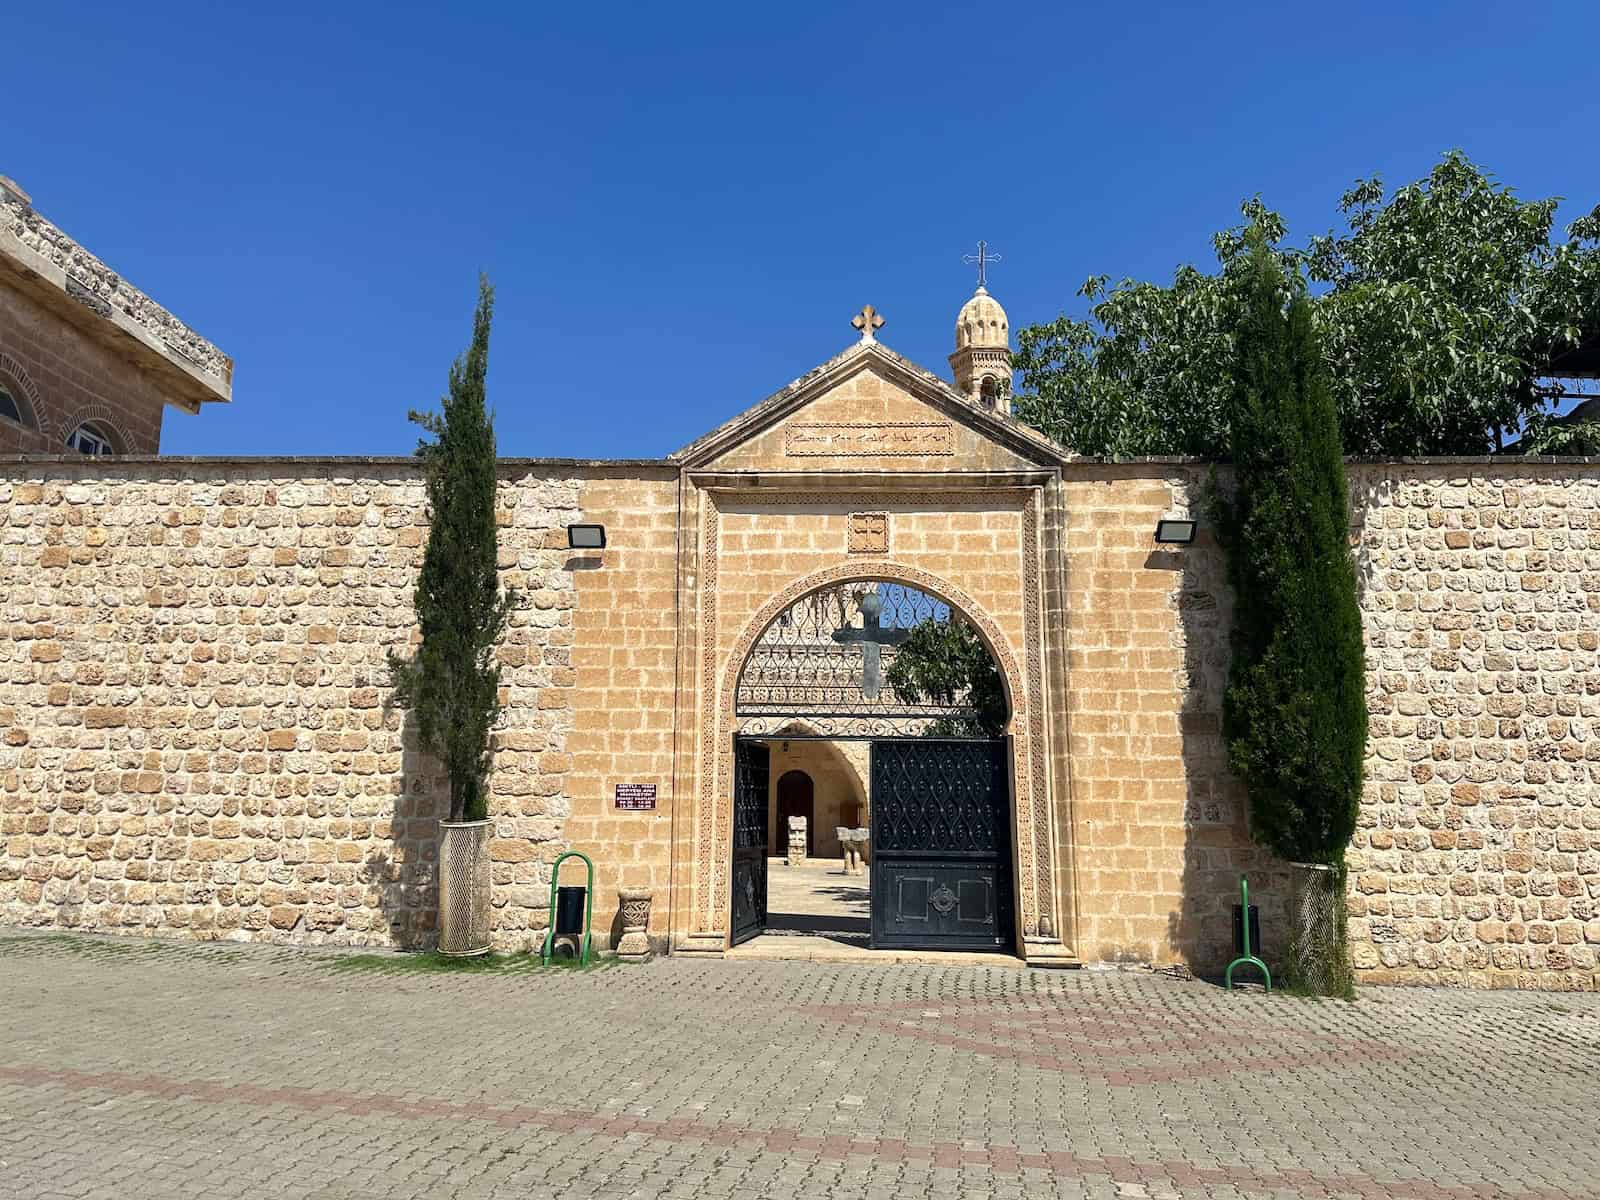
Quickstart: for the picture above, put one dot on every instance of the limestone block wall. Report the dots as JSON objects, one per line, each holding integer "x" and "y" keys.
{"x": 195, "y": 735}
{"x": 622, "y": 696}
{"x": 1477, "y": 859}
{"x": 193, "y": 699}
{"x": 1159, "y": 822}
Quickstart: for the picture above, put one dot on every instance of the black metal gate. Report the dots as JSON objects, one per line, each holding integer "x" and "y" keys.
{"x": 751, "y": 767}
{"x": 941, "y": 844}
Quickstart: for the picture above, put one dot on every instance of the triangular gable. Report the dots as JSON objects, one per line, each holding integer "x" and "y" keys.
{"x": 865, "y": 404}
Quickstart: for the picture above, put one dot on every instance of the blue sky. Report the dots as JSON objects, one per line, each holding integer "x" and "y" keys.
{"x": 681, "y": 206}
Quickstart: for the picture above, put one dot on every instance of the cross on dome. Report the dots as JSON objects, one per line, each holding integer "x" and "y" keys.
{"x": 982, "y": 359}
{"x": 982, "y": 258}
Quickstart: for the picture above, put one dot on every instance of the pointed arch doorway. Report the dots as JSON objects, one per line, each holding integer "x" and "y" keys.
{"x": 797, "y": 797}
{"x": 887, "y": 664}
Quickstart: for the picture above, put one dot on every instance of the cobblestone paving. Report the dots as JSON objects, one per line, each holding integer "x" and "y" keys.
{"x": 132, "y": 1069}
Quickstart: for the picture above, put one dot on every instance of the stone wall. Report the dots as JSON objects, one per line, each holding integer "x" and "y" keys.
{"x": 622, "y": 694}
{"x": 1477, "y": 859}
{"x": 194, "y": 737}
{"x": 1159, "y": 823}
{"x": 193, "y": 699}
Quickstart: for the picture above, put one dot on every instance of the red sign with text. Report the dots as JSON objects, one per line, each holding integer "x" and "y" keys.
{"x": 636, "y": 797}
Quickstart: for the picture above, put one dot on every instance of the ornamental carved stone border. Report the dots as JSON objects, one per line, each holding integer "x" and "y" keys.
{"x": 707, "y": 880}
{"x": 1046, "y": 925}
{"x": 714, "y": 820}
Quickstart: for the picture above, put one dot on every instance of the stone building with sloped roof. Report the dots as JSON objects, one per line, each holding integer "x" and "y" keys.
{"x": 88, "y": 363}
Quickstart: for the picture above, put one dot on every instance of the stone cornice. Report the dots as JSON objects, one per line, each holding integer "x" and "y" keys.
{"x": 43, "y": 261}
{"x": 114, "y": 464}
{"x": 827, "y": 483}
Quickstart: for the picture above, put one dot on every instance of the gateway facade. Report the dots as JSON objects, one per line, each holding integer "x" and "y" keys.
{"x": 198, "y": 738}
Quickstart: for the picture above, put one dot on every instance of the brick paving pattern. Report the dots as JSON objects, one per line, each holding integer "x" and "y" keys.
{"x": 152, "y": 1069}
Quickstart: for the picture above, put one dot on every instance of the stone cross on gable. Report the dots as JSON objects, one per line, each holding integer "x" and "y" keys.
{"x": 867, "y": 320}
{"x": 873, "y": 638}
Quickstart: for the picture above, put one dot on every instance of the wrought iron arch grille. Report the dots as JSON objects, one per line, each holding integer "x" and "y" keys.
{"x": 826, "y": 662}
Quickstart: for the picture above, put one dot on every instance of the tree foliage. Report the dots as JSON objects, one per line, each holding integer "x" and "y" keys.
{"x": 1294, "y": 713}
{"x": 1437, "y": 312}
{"x": 451, "y": 684}
{"x": 1578, "y": 437}
{"x": 946, "y": 662}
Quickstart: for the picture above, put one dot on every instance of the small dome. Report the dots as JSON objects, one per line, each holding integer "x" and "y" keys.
{"x": 982, "y": 323}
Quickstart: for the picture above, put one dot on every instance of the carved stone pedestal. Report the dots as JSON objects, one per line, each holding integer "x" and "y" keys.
{"x": 635, "y": 943}
{"x": 853, "y": 849}
{"x": 797, "y": 842}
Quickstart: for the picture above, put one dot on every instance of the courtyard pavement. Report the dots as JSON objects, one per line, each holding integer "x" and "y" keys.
{"x": 818, "y": 913}
{"x": 818, "y": 899}
{"x": 135, "y": 1069}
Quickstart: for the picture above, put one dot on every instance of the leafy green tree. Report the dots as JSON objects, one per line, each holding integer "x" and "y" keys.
{"x": 1437, "y": 311}
{"x": 946, "y": 662}
{"x": 1444, "y": 306}
{"x": 1149, "y": 372}
{"x": 1579, "y": 437}
{"x": 451, "y": 684}
{"x": 1294, "y": 713}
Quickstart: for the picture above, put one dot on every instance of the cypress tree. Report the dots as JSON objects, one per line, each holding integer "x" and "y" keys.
{"x": 1294, "y": 713}
{"x": 451, "y": 684}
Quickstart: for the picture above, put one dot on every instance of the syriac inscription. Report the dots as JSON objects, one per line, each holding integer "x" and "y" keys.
{"x": 849, "y": 439}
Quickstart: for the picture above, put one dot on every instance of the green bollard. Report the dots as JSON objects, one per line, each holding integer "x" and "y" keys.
{"x": 1247, "y": 958}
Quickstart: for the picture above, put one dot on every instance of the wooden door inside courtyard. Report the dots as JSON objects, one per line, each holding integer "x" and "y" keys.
{"x": 796, "y": 798}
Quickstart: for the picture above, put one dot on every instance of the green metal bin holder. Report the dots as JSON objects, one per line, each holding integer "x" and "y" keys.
{"x": 588, "y": 911}
{"x": 1248, "y": 958}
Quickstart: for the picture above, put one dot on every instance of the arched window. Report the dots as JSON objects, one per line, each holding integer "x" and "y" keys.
{"x": 90, "y": 439}
{"x": 13, "y": 402}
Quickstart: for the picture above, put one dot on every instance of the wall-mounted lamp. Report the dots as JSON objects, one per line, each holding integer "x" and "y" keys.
{"x": 1174, "y": 532}
{"x": 586, "y": 537}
